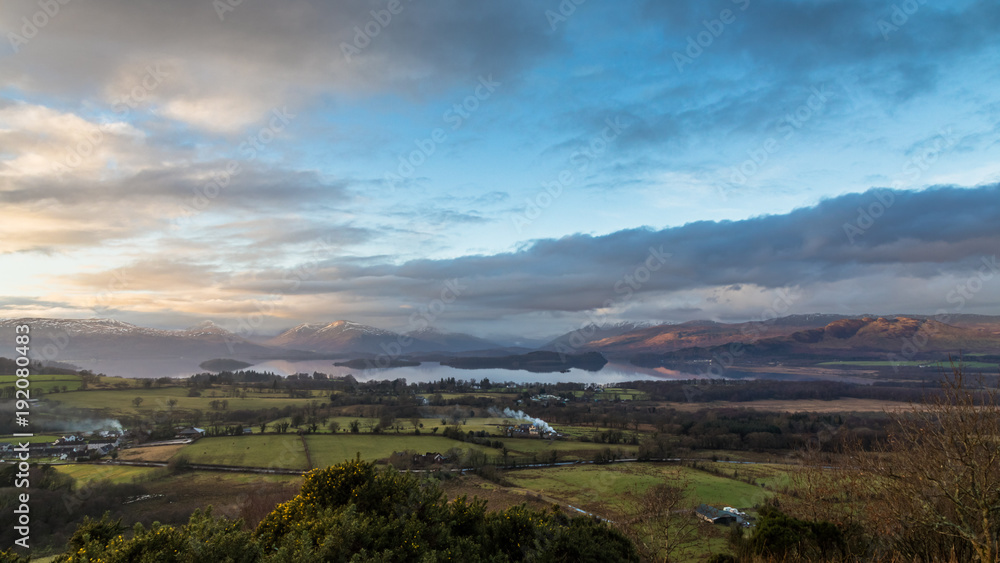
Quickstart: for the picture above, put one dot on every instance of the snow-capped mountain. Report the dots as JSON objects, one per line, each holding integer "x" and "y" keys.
{"x": 336, "y": 337}
{"x": 582, "y": 337}
{"x": 69, "y": 340}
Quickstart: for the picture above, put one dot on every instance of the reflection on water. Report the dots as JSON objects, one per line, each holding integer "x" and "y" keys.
{"x": 612, "y": 372}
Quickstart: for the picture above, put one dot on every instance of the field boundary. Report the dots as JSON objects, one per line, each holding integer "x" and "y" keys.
{"x": 276, "y": 471}
{"x": 305, "y": 448}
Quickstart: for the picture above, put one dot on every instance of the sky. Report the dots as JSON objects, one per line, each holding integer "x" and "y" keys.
{"x": 514, "y": 168}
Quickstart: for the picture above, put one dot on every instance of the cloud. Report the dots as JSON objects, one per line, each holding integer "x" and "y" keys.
{"x": 725, "y": 268}
{"x": 68, "y": 182}
{"x": 222, "y": 73}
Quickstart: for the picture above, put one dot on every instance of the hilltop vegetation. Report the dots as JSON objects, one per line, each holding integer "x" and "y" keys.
{"x": 471, "y": 438}
{"x": 355, "y": 512}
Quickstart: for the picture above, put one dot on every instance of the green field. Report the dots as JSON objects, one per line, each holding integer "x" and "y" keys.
{"x": 597, "y": 487}
{"x": 496, "y": 393}
{"x": 283, "y": 451}
{"x": 616, "y": 393}
{"x": 910, "y": 363}
{"x": 36, "y": 439}
{"x": 223, "y": 480}
{"x": 117, "y": 401}
{"x": 475, "y": 424}
{"x": 85, "y": 473}
{"x": 567, "y": 450}
{"x": 45, "y": 382}
{"x": 327, "y": 450}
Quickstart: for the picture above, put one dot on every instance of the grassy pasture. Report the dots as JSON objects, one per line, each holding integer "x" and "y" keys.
{"x": 598, "y": 488}
{"x": 910, "y": 363}
{"x": 86, "y": 473}
{"x": 119, "y": 402}
{"x": 498, "y": 393}
{"x": 327, "y": 450}
{"x": 567, "y": 450}
{"x": 798, "y": 405}
{"x": 45, "y": 382}
{"x": 474, "y": 424}
{"x": 36, "y": 439}
{"x": 284, "y": 451}
{"x": 619, "y": 393}
{"x": 150, "y": 453}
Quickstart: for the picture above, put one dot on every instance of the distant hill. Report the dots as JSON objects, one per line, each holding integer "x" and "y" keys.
{"x": 868, "y": 337}
{"x": 431, "y": 339}
{"x": 583, "y": 337}
{"x": 93, "y": 343}
{"x": 627, "y": 339}
{"x": 348, "y": 337}
{"x": 69, "y": 340}
{"x": 336, "y": 337}
{"x": 988, "y": 323}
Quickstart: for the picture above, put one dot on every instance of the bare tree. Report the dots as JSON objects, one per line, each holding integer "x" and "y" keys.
{"x": 931, "y": 491}
{"x": 660, "y": 523}
{"x": 386, "y": 420}
{"x": 940, "y": 470}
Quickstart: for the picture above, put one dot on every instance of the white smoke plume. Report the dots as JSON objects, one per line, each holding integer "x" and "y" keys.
{"x": 520, "y": 415}
{"x": 86, "y": 425}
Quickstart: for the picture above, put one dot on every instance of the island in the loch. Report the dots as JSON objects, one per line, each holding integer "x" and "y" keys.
{"x": 223, "y": 364}
{"x": 539, "y": 362}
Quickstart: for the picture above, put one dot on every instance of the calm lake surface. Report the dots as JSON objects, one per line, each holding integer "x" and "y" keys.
{"x": 613, "y": 372}
{"x": 432, "y": 371}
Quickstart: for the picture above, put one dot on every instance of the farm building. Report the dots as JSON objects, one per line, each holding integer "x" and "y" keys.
{"x": 714, "y": 515}
{"x": 522, "y": 430}
{"x": 191, "y": 432}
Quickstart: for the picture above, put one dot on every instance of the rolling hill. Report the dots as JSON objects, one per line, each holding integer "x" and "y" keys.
{"x": 877, "y": 338}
